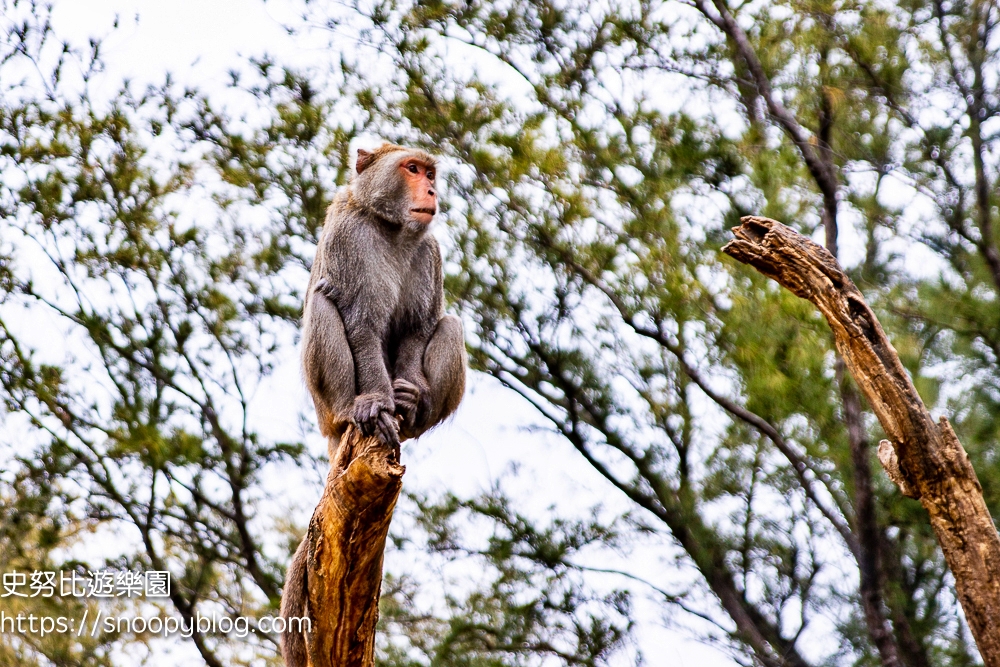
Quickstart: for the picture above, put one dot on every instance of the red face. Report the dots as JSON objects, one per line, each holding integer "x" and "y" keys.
{"x": 423, "y": 197}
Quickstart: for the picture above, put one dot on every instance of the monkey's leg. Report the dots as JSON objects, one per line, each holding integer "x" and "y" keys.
{"x": 444, "y": 366}
{"x": 328, "y": 366}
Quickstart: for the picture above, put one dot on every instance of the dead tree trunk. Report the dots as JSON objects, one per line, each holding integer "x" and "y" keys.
{"x": 924, "y": 457}
{"x": 346, "y": 540}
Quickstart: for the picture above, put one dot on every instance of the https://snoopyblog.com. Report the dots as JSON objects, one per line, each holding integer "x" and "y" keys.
{"x": 109, "y": 584}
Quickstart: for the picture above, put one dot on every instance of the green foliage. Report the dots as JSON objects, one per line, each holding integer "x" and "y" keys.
{"x": 599, "y": 154}
{"x": 154, "y": 246}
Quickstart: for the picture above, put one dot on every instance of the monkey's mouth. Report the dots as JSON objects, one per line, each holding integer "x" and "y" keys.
{"x": 428, "y": 211}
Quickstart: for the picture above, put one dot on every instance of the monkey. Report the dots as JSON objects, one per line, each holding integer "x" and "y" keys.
{"x": 376, "y": 342}
{"x": 378, "y": 351}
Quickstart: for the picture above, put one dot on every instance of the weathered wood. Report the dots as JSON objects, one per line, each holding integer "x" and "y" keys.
{"x": 346, "y": 540}
{"x": 929, "y": 461}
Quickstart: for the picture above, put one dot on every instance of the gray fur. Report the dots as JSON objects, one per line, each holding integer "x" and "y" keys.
{"x": 377, "y": 348}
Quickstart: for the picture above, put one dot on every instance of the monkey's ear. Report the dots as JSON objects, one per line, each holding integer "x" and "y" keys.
{"x": 365, "y": 159}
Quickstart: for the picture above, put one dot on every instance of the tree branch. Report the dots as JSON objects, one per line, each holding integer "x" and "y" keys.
{"x": 931, "y": 459}
{"x": 346, "y": 541}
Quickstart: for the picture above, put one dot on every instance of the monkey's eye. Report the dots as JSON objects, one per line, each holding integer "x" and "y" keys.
{"x": 430, "y": 175}
{"x": 412, "y": 168}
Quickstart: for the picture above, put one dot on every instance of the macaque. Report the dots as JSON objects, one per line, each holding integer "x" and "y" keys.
{"x": 378, "y": 352}
{"x": 377, "y": 345}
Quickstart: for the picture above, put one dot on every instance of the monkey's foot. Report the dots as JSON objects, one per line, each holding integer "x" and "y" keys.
{"x": 412, "y": 402}
{"x": 373, "y": 415}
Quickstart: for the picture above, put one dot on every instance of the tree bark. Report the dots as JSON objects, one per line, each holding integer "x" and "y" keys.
{"x": 926, "y": 459}
{"x": 346, "y": 540}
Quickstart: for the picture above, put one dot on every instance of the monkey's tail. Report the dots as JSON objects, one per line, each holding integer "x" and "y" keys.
{"x": 293, "y": 606}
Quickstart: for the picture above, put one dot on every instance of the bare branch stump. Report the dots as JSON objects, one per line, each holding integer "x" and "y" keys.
{"x": 346, "y": 541}
{"x": 926, "y": 458}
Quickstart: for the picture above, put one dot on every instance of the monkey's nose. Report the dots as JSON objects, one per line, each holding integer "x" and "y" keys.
{"x": 431, "y": 193}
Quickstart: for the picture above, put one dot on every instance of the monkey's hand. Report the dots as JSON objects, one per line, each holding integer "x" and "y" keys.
{"x": 373, "y": 415}
{"x": 412, "y": 402}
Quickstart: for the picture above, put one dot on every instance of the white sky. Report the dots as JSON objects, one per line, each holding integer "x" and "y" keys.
{"x": 199, "y": 42}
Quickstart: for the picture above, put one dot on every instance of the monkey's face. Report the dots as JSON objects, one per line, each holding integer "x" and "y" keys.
{"x": 419, "y": 179}
{"x": 396, "y": 184}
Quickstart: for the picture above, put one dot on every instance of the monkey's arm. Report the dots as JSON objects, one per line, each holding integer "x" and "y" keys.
{"x": 374, "y": 406}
